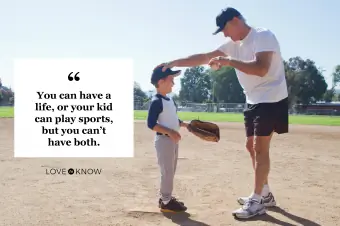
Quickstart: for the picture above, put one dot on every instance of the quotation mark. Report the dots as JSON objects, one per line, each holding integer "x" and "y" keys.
{"x": 70, "y": 171}
{"x": 76, "y": 78}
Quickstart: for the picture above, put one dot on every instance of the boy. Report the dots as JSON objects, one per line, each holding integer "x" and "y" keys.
{"x": 162, "y": 118}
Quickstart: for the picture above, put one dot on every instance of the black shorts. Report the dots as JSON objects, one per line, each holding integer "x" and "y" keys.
{"x": 264, "y": 118}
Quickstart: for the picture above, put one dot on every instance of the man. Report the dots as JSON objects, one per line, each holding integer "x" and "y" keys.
{"x": 255, "y": 55}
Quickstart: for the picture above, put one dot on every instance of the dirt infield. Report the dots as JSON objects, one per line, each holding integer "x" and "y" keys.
{"x": 304, "y": 178}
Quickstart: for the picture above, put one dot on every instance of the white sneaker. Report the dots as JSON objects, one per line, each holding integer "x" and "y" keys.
{"x": 251, "y": 208}
{"x": 268, "y": 201}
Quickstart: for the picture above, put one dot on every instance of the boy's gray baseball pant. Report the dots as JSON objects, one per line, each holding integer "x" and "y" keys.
{"x": 167, "y": 155}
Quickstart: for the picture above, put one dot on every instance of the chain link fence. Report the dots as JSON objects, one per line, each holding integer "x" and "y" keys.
{"x": 239, "y": 107}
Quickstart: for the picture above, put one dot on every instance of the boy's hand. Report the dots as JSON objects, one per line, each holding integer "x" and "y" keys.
{"x": 183, "y": 124}
{"x": 175, "y": 136}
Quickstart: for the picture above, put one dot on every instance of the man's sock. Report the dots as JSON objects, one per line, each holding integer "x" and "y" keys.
{"x": 265, "y": 190}
{"x": 165, "y": 201}
{"x": 256, "y": 197}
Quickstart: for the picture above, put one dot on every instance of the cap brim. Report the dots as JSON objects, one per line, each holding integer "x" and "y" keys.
{"x": 176, "y": 73}
{"x": 169, "y": 72}
{"x": 218, "y": 31}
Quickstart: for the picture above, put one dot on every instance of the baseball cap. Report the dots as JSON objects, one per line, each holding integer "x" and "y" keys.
{"x": 225, "y": 16}
{"x": 159, "y": 74}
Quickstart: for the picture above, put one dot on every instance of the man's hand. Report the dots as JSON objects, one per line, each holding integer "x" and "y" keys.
{"x": 174, "y": 135}
{"x": 167, "y": 65}
{"x": 257, "y": 67}
{"x": 217, "y": 62}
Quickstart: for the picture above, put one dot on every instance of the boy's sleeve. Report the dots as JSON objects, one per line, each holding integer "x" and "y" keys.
{"x": 156, "y": 107}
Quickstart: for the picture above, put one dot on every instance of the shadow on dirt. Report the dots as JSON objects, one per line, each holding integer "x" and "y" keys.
{"x": 271, "y": 219}
{"x": 183, "y": 219}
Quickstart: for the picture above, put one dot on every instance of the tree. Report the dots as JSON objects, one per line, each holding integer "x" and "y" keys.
{"x": 306, "y": 83}
{"x": 195, "y": 85}
{"x": 226, "y": 87}
{"x": 175, "y": 97}
{"x": 6, "y": 95}
{"x": 291, "y": 79}
{"x": 138, "y": 93}
{"x": 336, "y": 76}
{"x": 329, "y": 94}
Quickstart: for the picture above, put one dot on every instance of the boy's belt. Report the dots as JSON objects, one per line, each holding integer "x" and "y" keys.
{"x": 162, "y": 134}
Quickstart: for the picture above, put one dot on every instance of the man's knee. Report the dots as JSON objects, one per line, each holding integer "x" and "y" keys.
{"x": 250, "y": 145}
{"x": 262, "y": 144}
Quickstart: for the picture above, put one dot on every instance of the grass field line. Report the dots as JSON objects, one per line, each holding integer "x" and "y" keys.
{"x": 238, "y": 117}
{"x": 8, "y": 112}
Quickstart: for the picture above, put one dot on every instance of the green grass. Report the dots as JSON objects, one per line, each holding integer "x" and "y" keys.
{"x": 234, "y": 117}
{"x": 6, "y": 112}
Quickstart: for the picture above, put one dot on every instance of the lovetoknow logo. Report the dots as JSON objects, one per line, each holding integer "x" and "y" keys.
{"x": 73, "y": 171}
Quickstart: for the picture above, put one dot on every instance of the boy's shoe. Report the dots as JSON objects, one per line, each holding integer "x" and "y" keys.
{"x": 160, "y": 202}
{"x": 251, "y": 208}
{"x": 172, "y": 207}
{"x": 268, "y": 201}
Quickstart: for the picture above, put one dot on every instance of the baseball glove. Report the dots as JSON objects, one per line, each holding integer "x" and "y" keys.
{"x": 207, "y": 131}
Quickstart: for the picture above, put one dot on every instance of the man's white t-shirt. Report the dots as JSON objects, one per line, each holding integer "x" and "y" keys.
{"x": 267, "y": 89}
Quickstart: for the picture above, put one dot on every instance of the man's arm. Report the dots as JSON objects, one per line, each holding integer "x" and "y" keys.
{"x": 258, "y": 67}
{"x": 266, "y": 45}
{"x": 193, "y": 60}
{"x": 198, "y": 59}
